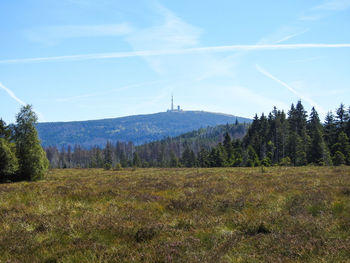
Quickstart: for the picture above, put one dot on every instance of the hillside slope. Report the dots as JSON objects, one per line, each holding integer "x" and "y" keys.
{"x": 137, "y": 129}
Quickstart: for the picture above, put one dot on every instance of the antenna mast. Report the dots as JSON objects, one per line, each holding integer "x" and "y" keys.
{"x": 172, "y": 102}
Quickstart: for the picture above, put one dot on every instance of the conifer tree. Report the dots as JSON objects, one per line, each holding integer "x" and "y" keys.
{"x": 237, "y": 153}
{"x": 347, "y": 125}
{"x": 316, "y": 149}
{"x": 174, "y": 161}
{"x": 343, "y": 146}
{"x": 136, "y": 160}
{"x": 33, "y": 163}
{"x": 188, "y": 158}
{"x": 252, "y": 157}
{"x": 330, "y": 131}
{"x": 108, "y": 156}
{"x": 228, "y": 149}
{"x": 203, "y": 158}
{"x": 341, "y": 118}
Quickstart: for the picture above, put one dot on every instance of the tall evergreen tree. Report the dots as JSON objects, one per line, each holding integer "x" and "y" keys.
{"x": 136, "y": 160}
{"x": 174, "y": 161}
{"x": 228, "y": 149}
{"x": 33, "y": 163}
{"x": 317, "y": 145}
{"x": 330, "y": 131}
{"x": 343, "y": 146}
{"x": 203, "y": 158}
{"x": 188, "y": 158}
{"x": 341, "y": 118}
{"x": 108, "y": 155}
{"x": 347, "y": 125}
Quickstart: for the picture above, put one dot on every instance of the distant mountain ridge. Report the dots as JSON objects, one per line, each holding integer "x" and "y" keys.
{"x": 138, "y": 129}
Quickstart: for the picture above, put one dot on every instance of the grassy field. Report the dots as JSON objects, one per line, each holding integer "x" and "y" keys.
{"x": 178, "y": 215}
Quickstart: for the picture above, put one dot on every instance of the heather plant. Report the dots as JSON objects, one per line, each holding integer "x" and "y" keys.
{"x": 285, "y": 214}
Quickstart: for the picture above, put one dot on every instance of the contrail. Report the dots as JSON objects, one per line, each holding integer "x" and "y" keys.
{"x": 305, "y": 98}
{"x": 12, "y": 95}
{"x": 149, "y": 53}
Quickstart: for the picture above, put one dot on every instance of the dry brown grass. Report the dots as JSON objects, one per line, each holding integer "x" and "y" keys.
{"x": 178, "y": 215}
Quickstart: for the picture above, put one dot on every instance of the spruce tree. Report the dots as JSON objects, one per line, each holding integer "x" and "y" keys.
{"x": 174, "y": 161}
{"x": 228, "y": 149}
{"x": 316, "y": 147}
{"x": 33, "y": 163}
{"x": 136, "y": 160}
{"x": 188, "y": 158}
{"x": 343, "y": 146}
{"x": 252, "y": 157}
{"x": 108, "y": 156}
{"x": 341, "y": 118}
{"x": 330, "y": 131}
{"x": 347, "y": 125}
{"x": 203, "y": 158}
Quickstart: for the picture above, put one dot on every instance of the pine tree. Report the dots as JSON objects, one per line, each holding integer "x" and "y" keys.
{"x": 253, "y": 159}
{"x": 188, "y": 158}
{"x": 228, "y": 149}
{"x": 108, "y": 156}
{"x": 339, "y": 158}
{"x": 203, "y": 158}
{"x": 300, "y": 154}
{"x": 136, "y": 160}
{"x": 343, "y": 146}
{"x": 33, "y": 163}
{"x": 330, "y": 131}
{"x": 237, "y": 153}
{"x": 316, "y": 149}
{"x": 341, "y": 118}
{"x": 174, "y": 161}
{"x": 347, "y": 126}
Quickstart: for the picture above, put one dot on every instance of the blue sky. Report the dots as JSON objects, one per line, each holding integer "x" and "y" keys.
{"x": 87, "y": 59}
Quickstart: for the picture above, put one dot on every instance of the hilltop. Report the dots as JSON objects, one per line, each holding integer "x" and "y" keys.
{"x": 138, "y": 129}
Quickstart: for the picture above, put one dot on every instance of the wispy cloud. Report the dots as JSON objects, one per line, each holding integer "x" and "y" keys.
{"x": 333, "y": 5}
{"x": 292, "y": 36}
{"x": 301, "y": 96}
{"x": 12, "y": 95}
{"x": 325, "y": 9}
{"x": 54, "y": 34}
{"x": 163, "y": 52}
{"x": 169, "y": 32}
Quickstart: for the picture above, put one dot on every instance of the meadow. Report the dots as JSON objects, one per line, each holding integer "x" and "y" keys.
{"x": 276, "y": 214}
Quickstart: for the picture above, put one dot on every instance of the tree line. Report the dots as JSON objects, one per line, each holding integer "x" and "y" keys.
{"x": 292, "y": 139}
{"x": 164, "y": 153}
{"x": 21, "y": 155}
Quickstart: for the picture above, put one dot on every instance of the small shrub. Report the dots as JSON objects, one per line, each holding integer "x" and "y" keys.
{"x": 286, "y": 161}
{"x": 107, "y": 166}
{"x": 266, "y": 162}
{"x": 117, "y": 167}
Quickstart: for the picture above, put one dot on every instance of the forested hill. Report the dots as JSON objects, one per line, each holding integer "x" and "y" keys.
{"x": 138, "y": 129}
